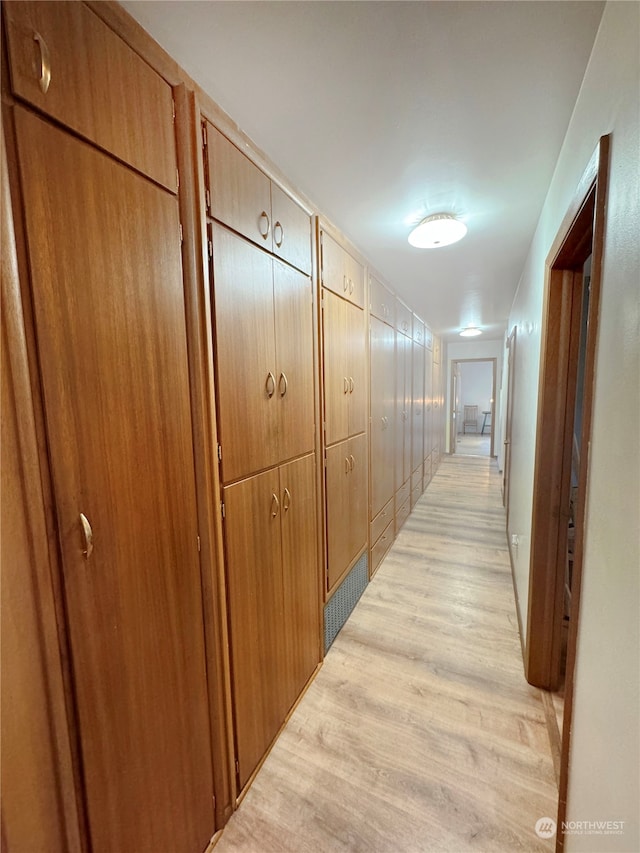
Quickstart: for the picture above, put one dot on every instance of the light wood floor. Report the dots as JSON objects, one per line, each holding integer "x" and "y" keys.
{"x": 420, "y": 732}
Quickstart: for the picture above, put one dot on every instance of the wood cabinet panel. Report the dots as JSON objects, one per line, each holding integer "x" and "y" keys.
{"x": 338, "y": 472}
{"x": 340, "y": 272}
{"x": 300, "y": 573}
{"x": 416, "y": 492}
{"x": 336, "y": 366}
{"x": 381, "y": 521}
{"x": 255, "y": 584}
{"x": 403, "y": 412}
{"x": 418, "y": 330}
{"x": 94, "y": 76}
{"x": 380, "y": 549}
{"x": 291, "y": 230}
{"x": 381, "y": 301}
{"x": 404, "y": 318}
{"x": 404, "y": 492}
{"x": 239, "y": 193}
{"x": 357, "y": 364}
{"x": 293, "y": 305}
{"x": 428, "y": 400}
{"x": 417, "y": 405}
{"x": 248, "y": 396}
{"x": 106, "y": 280}
{"x": 382, "y": 385}
{"x": 358, "y": 494}
{"x": 402, "y": 514}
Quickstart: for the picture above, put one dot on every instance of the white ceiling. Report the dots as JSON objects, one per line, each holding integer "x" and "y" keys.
{"x": 384, "y": 112}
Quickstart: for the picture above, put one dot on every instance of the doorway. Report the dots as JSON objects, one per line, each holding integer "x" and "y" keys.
{"x": 473, "y": 393}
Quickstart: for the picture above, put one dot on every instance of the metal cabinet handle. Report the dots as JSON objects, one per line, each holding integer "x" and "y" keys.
{"x": 346, "y": 385}
{"x": 278, "y": 228}
{"x": 345, "y": 283}
{"x": 264, "y": 218}
{"x": 45, "y": 63}
{"x": 283, "y": 384}
{"x": 351, "y": 384}
{"x": 275, "y": 505}
{"x": 350, "y": 285}
{"x": 270, "y": 384}
{"x": 347, "y": 467}
{"x": 286, "y": 500}
{"x": 87, "y": 535}
{"x": 353, "y": 462}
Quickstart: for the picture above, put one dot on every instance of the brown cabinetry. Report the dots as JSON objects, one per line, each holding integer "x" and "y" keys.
{"x": 381, "y": 301}
{"x": 417, "y": 405}
{"x": 340, "y": 271}
{"x": 382, "y": 385}
{"x": 270, "y": 534}
{"x": 346, "y": 484}
{"x": 264, "y": 345}
{"x": 241, "y": 196}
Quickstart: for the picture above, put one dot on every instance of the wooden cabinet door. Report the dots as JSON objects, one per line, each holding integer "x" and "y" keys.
{"x": 356, "y": 369}
{"x": 240, "y": 194}
{"x": 254, "y": 577}
{"x": 106, "y": 280}
{"x": 336, "y": 358}
{"x": 358, "y": 491}
{"x": 248, "y": 396}
{"x": 400, "y": 415}
{"x": 355, "y": 276}
{"x": 300, "y": 573}
{"x": 291, "y": 230}
{"x": 417, "y": 417}
{"x": 429, "y": 413}
{"x": 382, "y": 367}
{"x": 381, "y": 301}
{"x": 94, "y": 76}
{"x": 338, "y": 494}
{"x": 294, "y": 360}
{"x": 334, "y": 272}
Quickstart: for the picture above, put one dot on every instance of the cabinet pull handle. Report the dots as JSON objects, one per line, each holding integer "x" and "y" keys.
{"x": 45, "y": 63}
{"x": 345, "y": 283}
{"x": 351, "y": 384}
{"x": 264, "y": 218}
{"x": 270, "y": 385}
{"x": 87, "y": 535}
{"x": 346, "y": 385}
{"x": 350, "y": 285}
{"x": 278, "y": 227}
{"x": 347, "y": 467}
{"x": 286, "y": 500}
{"x": 353, "y": 462}
{"x": 283, "y": 384}
{"x": 275, "y": 505}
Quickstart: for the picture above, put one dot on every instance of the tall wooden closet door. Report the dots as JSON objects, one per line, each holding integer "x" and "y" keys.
{"x": 336, "y": 367}
{"x": 254, "y": 560}
{"x": 105, "y": 262}
{"x": 358, "y": 490}
{"x": 338, "y": 474}
{"x": 248, "y": 411}
{"x": 417, "y": 384}
{"x": 300, "y": 573}
{"x": 357, "y": 370}
{"x": 382, "y": 408}
{"x": 294, "y": 359}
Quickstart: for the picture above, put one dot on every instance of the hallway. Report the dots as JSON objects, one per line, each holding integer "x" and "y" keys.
{"x": 420, "y": 732}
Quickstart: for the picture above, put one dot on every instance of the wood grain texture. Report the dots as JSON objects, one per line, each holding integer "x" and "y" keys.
{"x": 106, "y": 281}
{"x": 335, "y": 352}
{"x": 291, "y": 230}
{"x": 419, "y": 732}
{"x": 417, "y": 405}
{"x": 381, "y": 401}
{"x": 94, "y": 77}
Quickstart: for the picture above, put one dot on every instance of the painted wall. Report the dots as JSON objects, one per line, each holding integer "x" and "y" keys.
{"x": 477, "y": 349}
{"x": 477, "y": 388}
{"x": 605, "y": 747}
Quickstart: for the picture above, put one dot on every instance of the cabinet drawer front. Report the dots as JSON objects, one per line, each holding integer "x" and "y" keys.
{"x": 291, "y": 230}
{"x": 416, "y": 478}
{"x": 418, "y": 330}
{"x": 94, "y": 76}
{"x": 240, "y": 194}
{"x": 403, "y": 493}
{"x": 379, "y": 550}
{"x": 427, "y": 470}
{"x": 404, "y": 318}
{"x": 402, "y": 514}
{"x": 381, "y": 520}
{"x": 415, "y": 494}
{"x": 381, "y": 301}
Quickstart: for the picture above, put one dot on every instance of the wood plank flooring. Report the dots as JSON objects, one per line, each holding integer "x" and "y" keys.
{"x": 420, "y": 732}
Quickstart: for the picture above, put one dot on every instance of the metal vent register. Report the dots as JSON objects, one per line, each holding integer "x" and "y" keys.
{"x": 345, "y": 598}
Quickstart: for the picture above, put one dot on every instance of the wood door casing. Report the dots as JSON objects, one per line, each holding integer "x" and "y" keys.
{"x": 294, "y": 396}
{"x": 248, "y": 410}
{"x": 335, "y": 359}
{"x": 300, "y": 573}
{"x": 94, "y": 77}
{"x": 110, "y": 323}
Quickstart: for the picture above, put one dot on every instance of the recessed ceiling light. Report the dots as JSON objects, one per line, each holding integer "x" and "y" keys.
{"x": 470, "y": 332}
{"x": 439, "y": 229}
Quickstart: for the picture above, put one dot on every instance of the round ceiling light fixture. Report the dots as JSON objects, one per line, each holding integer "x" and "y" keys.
{"x": 470, "y": 332}
{"x": 439, "y": 229}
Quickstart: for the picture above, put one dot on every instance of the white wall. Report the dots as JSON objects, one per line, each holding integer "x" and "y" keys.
{"x": 605, "y": 744}
{"x": 477, "y": 349}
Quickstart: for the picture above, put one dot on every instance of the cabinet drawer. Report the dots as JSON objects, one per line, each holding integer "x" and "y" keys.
{"x": 402, "y": 494}
{"x": 381, "y": 520}
{"x": 402, "y": 514}
{"x": 415, "y": 494}
{"x": 416, "y": 477}
{"x": 404, "y": 318}
{"x": 379, "y": 550}
{"x": 291, "y": 230}
{"x": 426, "y": 476}
{"x": 93, "y": 77}
{"x": 381, "y": 301}
{"x": 418, "y": 330}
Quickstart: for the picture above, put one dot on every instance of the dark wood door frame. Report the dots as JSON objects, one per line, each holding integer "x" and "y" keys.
{"x": 454, "y": 421}
{"x": 580, "y": 235}
{"x": 511, "y": 375}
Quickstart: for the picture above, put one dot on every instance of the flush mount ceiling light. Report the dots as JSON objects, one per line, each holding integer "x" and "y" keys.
{"x": 439, "y": 229}
{"x": 470, "y": 332}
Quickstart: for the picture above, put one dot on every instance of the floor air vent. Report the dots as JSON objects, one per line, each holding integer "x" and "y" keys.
{"x": 345, "y": 598}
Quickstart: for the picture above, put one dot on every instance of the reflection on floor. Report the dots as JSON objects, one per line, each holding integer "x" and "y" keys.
{"x": 420, "y": 732}
{"x": 473, "y": 444}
